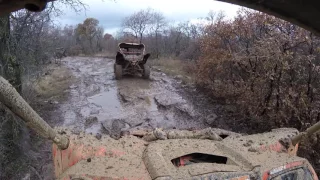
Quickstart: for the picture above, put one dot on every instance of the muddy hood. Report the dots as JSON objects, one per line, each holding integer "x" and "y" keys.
{"x": 234, "y": 156}
{"x": 133, "y": 158}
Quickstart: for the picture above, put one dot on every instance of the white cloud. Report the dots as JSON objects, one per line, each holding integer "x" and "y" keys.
{"x": 110, "y": 13}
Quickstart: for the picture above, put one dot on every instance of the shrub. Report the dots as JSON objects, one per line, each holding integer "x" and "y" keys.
{"x": 75, "y": 50}
{"x": 269, "y": 68}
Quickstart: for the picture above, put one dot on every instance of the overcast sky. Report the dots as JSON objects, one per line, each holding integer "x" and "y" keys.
{"x": 110, "y": 13}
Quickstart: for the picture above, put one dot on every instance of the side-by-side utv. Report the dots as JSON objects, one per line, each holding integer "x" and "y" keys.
{"x": 131, "y": 60}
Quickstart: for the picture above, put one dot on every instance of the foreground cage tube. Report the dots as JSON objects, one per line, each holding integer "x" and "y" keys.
{"x": 13, "y": 101}
{"x": 310, "y": 131}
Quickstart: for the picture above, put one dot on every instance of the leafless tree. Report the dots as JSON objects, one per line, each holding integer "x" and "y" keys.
{"x": 158, "y": 23}
{"x": 152, "y": 28}
{"x": 138, "y": 22}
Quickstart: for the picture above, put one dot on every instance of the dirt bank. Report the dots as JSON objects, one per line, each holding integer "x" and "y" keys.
{"x": 44, "y": 94}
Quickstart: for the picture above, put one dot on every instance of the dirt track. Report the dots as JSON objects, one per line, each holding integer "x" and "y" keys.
{"x": 97, "y": 103}
{"x": 100, "y": 104}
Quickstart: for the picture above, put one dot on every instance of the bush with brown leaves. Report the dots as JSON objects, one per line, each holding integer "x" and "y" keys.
{"x": 269, "y": 68}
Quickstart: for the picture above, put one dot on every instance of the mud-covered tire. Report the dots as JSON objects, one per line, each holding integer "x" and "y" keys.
{"x": 146, "y": 71}
{"x": 118, "y": 71}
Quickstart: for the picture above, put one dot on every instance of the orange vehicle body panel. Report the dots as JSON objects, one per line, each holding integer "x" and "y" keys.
{"x": 64, "y": 159}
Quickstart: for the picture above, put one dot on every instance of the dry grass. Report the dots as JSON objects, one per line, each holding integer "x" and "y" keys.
{"x": 106, "y": 54}
{"x": 54, "y": 83}
{"x": 110, "y": 55}
{"x": 174, "y": 67}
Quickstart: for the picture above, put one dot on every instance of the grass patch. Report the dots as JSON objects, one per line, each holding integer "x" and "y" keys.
{"x": 55, "y": 83}
{"x": 110, "y": 55}
{"x": 174, "y": 67}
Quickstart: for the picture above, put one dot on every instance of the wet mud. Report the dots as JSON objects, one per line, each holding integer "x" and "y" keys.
{"x": 100, "y": 104}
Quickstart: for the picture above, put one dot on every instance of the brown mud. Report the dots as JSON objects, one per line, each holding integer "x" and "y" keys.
{"x": 100, "y": 104}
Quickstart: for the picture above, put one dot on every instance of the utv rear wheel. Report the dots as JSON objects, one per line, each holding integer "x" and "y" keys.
{"x": 118, "y": 71}
{"x": 146, "y": 71}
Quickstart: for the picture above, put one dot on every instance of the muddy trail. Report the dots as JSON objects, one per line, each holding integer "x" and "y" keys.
{"x": 100, "y": 104}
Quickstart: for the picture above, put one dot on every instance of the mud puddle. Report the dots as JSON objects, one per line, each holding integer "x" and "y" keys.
{"x": 100, "y": 104}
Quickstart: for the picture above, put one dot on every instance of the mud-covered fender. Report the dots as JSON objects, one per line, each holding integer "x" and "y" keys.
{"x": 119, "y": 58}
{"x": 145, "y": 58}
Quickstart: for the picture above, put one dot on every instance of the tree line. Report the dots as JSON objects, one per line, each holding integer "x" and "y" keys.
{"x": 161, "y": 37}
